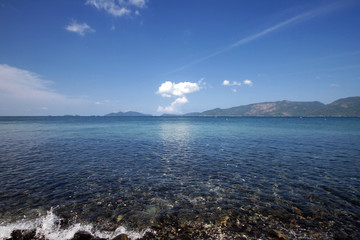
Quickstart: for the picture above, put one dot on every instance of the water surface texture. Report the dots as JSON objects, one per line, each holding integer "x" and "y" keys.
{"x": 181, "y": 178}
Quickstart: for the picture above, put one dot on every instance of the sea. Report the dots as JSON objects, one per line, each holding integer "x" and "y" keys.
{"x": 180, "y": 177}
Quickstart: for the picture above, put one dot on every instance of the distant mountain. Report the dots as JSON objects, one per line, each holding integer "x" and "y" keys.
{"x": 127, "y": 114}
{"x": 346, "y": 107}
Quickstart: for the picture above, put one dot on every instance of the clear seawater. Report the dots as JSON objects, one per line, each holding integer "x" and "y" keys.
{"x": 181, "y": 177}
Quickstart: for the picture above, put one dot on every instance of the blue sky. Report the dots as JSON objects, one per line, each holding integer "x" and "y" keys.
{"x": 92, "y": 57}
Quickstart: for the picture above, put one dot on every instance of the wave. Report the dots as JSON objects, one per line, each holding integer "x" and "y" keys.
{"x": 49, "y": 227}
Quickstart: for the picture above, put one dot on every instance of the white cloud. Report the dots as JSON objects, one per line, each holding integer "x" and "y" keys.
{"x": 181, "y": 100}
{"x": 237, "y": 84}
{"x": 22, "y": 84}
{"x": 109, "y": 6}
{"x": 118, "y": 8}
{"x": 23, "y": 92}
{"x": 178, "y": 90}
{"x": 173, "y": 108}
{"x": 248, "y": 82}
{"x": 169, "y": 89}
{"x": 228, "y": 83}
{"x": 79, "y": 28}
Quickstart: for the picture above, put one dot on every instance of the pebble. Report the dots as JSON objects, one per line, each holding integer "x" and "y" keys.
{"x": 119, "y": 218}
{"x": 275, "y": 234}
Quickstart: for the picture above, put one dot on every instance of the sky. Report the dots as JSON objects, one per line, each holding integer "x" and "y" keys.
{"x": 93, "y": 57}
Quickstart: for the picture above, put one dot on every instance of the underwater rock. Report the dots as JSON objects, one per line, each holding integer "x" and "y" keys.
{"x": 23, "y": 234}
{"x": 82, "y": 235}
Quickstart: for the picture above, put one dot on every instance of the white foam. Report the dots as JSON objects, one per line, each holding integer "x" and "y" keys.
{"x": 49, "y": 227}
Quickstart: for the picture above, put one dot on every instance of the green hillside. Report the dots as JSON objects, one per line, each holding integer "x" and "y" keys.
{"x": 345, "y": 107}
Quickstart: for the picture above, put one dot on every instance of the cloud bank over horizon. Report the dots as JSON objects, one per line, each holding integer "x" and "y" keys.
{"x": 25, "y": 91}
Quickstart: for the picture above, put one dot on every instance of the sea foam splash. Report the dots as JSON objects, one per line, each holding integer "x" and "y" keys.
{"x": 49, "y": 226}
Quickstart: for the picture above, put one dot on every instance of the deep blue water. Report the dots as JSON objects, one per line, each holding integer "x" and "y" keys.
{"x": 208, "y": 177}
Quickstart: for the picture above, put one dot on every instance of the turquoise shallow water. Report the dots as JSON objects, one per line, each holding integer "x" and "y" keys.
{"x": 203, "y": 178}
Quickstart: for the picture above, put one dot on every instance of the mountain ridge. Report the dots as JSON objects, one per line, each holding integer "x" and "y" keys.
{"x": 344, "y": 107}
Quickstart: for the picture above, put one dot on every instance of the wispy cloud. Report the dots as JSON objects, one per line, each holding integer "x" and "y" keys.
{"x": 291, "y": 21}
{"x": 179, "y": 90}
{"x": 79, "y": 28}
{"x": 22, "y": 91}
{"x": 137, "y": 3}
{"x": 118, "y": 8}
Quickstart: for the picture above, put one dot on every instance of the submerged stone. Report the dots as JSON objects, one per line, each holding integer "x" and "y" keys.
{"x": 23, "y": 234}
{"x": 82, "y": 235}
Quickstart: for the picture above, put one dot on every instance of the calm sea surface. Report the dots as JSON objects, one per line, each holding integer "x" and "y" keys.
{"x": 181, "y": 178}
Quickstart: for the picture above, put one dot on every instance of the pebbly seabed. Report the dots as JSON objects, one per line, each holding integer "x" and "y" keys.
{"x": 179, "y": 178}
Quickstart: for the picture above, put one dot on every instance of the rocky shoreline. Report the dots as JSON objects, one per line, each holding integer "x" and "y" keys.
{"x": 228, "y": 228}
{"x": 83, "y": 235}
{"x": 229, "y": 224}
